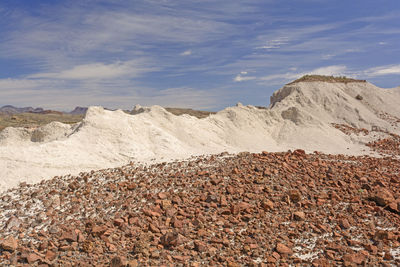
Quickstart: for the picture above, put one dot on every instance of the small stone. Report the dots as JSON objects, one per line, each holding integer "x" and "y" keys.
{"x": 9, "y": 243}
{"x": 33, "y": 258}
{"x": 132, "y": 263}
{"x": 171, "y": 239}
{"x": 267, "y": 205}
{"x": 116, "y": 262}
{"x": 299, "y": 216}
{"x": 383, "y": 197}
{"x": 283, "y": 249}
{"x": 355, "y": 258}
{"x": 200, "y": 246}
{"x": 344, "y": 223}
{"x": 118, "y": 222}
{"x": 294, "y": 195}
{"x": 50, "y": 255}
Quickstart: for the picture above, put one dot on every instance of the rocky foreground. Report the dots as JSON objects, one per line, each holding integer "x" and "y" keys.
{"x": 249, "y": 209}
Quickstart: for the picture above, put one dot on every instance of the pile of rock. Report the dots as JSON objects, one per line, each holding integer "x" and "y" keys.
{"x": 386, "y": 146}
{"x": 263, "y": 209}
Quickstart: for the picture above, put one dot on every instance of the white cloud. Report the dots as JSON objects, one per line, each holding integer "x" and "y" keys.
{"x": 97, "y": 71}
{"x": 186, "y": 53}
{"x": 10, "y": 84}
{"x": 334, "y": 70}
{"x": 383, "y": 70}
{"x": 275, "y": 43}
{"x": 382, "y": 43}
{"x": 241, "y": 78}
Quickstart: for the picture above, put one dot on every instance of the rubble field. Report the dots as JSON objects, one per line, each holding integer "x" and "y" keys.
{"x": 266, "y": 209}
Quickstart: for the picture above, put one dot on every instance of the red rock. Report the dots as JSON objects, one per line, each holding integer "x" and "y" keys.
{"x": 283, "y": 249}
{"x": 388, "y": 256}
{"x": 172, "y": 239}
{"x": 372, "y": 249}
{"x": 299, "y": 152}
{"x": 33, "y": 258}
{"x": 116, "y": 262}
{"x": 200, "y": 246}
{"x": 9, "y": 243}
{"x": 181, "y": 258}
{"x": 267, "y": 205}
{"x": 299, "y": 215}
{"x": 131, "y": 186}
{"x": 383, "y": 197}
{"x": 118, "y": 222}
{"x": 132, "y": 263}
{"x": 294, "y": 195}
{"x": 98, "y": 229}
{"x": 153, "y": 228}
{"x": 50, "y": 255}
{"x": 69, "y": 236}
{"x": 344, "y": 223}
{"x": 355, "y": 258}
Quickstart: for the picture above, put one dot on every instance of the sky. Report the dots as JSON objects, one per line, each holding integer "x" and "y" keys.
{"x": 200, "y": 54}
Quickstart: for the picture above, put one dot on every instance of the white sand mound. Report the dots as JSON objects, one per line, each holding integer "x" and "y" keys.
{"x": 300, "y": 116}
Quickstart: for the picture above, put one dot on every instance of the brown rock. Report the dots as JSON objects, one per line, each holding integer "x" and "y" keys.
{"x": 98, "y": 229}
{"x": 9, "y": 243}
{"x": 50, "y": 255}
{"x": 69, "y": 236}
{"x": 116, "y": 262}
{"x": 299, "y": 215}
{"x": 200, "y": 246}
{"x": 172, "y": 239}
{"x": 294, "y": 195}
{"x": 383, "y": 197}
{"x": 118, "y": 222}
{"x": 344, "y": 223}
{"x": 283, "y": 249}
{"x": 33, "y": 258}
{"x": 132, "y": 263}
{"x": 355, "y": 258}
{"x": 267, "y": 205}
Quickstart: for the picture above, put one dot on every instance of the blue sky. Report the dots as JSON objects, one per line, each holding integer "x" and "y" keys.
{"x": 195, "y": 53}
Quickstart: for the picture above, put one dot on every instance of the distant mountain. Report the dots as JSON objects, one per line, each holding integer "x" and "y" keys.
{"x": 8, "y": 109}
{"x": 79, "y": 111}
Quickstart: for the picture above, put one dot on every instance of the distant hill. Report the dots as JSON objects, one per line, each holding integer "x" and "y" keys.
{"x": 8, "y": 109}
{"x": 79, "y": 111}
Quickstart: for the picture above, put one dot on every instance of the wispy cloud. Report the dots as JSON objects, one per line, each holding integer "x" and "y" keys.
{"x": 274, "y": 44}
{"x": 186, "y": 53}
{"x": 98, "y": 71}
{"x": 335, "y": 70}
{"x": 382, "y": 70}
{"x": 241, "y": 77}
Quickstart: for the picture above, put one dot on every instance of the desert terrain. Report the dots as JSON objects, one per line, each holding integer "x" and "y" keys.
{"x": 311, "y": 180}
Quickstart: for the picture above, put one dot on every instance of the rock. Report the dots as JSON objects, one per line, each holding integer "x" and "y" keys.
{"x": 299, "y": 215}
{"x": 344, "y": 223}
{"x": 200, "y": 246}
{"x": 355, "y": 258}
{"x": 98, "y": 229}
{"x": 283, "y": 249}
{"x": 294, "y": 195}
{"x": 50, "y": 255}
{"x": 171, "y": 239}
{"x": 9, "y": 243}
{"x": 383, "y": 197}
{"x": 116, "y": 262}
{"x": 132, "y": 263}
{"x": 267, "y": 205}
{"x": 33, "y": 258}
